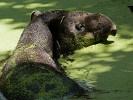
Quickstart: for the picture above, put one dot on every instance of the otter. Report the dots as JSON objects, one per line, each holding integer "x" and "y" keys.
{"x": 73, "y": 30}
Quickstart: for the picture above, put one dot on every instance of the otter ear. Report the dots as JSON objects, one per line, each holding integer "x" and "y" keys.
{"x": 34, "y": 14}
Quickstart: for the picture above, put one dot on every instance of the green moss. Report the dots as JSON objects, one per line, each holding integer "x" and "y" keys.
{"x": 19, "y": 51}
{"x": 34, "y": 81}
{"x": 83, "y": 41}
{"x": 73, "y": 42}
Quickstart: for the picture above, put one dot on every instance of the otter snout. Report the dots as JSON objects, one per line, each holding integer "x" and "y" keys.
{"x": 113, "y": 30}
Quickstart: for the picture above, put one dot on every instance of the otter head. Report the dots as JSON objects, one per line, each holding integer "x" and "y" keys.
{"x": 94, "y": 26}
{"x": 100, "y": 27}
{"x": 80, "y": 29}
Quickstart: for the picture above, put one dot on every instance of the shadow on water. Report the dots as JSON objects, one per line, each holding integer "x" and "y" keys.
{"x": 106, "y": 67}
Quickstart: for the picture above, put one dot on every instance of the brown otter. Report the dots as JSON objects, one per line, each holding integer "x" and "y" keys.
{"x": 72, "y": 30}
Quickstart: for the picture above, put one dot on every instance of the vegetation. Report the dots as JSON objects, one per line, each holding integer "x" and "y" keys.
{"x": 106, "y": 67}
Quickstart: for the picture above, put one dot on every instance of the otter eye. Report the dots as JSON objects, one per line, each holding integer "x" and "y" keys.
{"x": 79, "y": 27}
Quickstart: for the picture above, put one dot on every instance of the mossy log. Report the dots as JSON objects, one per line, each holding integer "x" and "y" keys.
{"x": 36, "y": 81}
{"x": 31, "y": 73}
